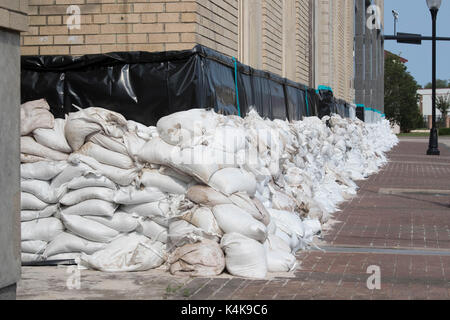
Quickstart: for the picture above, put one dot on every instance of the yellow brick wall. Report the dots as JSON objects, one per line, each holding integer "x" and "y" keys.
{"x": 304, "y": 41}
{"x": 218, "y": 25}
{"x": 13, "y": 14}
{"x": 334, "y": 45}
{"x": 272, "y": 35}
{"x": 110, "y": 25}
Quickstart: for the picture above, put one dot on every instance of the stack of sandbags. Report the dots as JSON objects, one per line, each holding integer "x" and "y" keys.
{"x": 201, "y": 191}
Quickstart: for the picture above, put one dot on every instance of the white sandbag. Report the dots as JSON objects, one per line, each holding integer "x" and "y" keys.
{"x": 252, "y": 206}
{"x": 67, "y": 242}
{"x": 30, "y": 257}
{"x": 206, "y": 196}
{"x": 106, "y": 156}
{"x": 141, "y": 130}
{"x": 93, "y": 207}
{"x": 231, "y": 218}
{"x": 28, "y": 215}
{"x": 29, "y": 146}
{"x": 228, "y": 139}
{"x": 42, "y": 229}
{"x": 203, "y": 259}
{"x": 120, "y": 221}
{"x": 29, "y": 201}
{"x": 244, "y": 257}
{"x": 53, "y": 138}
{"x": 131, "y": 195}
{"x": 88, "y": 229}
{"x": 182, "y": 232}
{"x": 64, "y": 256}
{"x": 182, "y": 128}
{"x": 152, "y": 209}
{"x": 42, "y": 170}
{"x": 156, "y": 151}
{"x": 130, "y": 252}
{"x": 76, "y": 196}
{"x": 109, "y": 143}
{"x": 288, "y": 222}
{"x": 70, "y": 172}
{"x": 91, "y": 180}
{"x": 35, "y": 114}
{"x": 33, "y": 246}
{"x": 152, "y": 230}
{"x": 133, "y": 143}
{"x": 76, "y": 131}
{"x": 152, "y": 178}
{"x": 29, "y": 158}
{"x": 120, "y": 176}
{"x": 312, "y": 228}
{"x": 231, "y": 180}
{"x": 42, "y": 190}
{"x": 167, "y": 171}
{"x": 202, "y": 162}
{"x": 278, "y": 253}
{"x": 203, "y": 218}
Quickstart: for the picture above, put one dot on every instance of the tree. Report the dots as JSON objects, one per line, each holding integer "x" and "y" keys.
{"x": 400, "y": 98}
{"x": 443, "y": 105}
{"x": 439, "y": 84}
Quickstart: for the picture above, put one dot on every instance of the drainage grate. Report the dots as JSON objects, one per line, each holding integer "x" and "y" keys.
{"x": 414, "y": 191}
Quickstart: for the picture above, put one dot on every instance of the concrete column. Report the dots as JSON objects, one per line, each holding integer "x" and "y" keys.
{"x": 13, "y": 19}
{"x": 359, "y": 51}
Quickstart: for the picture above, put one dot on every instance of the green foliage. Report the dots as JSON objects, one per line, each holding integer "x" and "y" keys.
{"x": 400, "y": 98}
{"x": 444, "y": 131}
{"x": 439, "y": 84}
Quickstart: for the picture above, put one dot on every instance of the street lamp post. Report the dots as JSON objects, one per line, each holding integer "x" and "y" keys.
{"x": 433, "y": 149}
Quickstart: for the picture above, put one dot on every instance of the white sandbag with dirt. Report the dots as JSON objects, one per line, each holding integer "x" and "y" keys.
{"x": 204, "y": 258}
{"x": 29, "y": 146}
{"x": 53, "y": 138}
{"x": 151, "y": 178}
{"x": 232, "y": 180}
{"x": 35, "y": 114}
{"x": 106, "y": 156}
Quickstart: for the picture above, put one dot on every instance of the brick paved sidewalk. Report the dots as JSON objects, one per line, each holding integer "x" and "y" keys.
{"x": 399, "y": 222}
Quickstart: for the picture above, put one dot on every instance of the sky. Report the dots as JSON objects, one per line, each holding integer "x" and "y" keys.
{"x": 415, "y": 17}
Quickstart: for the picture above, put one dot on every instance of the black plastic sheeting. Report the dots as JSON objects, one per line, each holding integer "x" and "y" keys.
{"x": 146, "y": 86}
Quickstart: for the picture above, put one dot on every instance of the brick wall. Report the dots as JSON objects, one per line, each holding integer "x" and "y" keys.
{"x": 304, "y": 41}
{"x": 334, "y": 45}
{"x": 218, "y": 25}
{"x": 13, "y": 14}
{"x": 272, "y": 35}
{"x": 110, "y": 25}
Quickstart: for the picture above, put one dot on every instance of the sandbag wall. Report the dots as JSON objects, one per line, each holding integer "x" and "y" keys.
{"x": 200, "y": 192}
{"x": 145, "y": 86}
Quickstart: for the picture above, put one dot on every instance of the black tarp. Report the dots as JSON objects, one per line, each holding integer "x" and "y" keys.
{"x": 146, "y": 86}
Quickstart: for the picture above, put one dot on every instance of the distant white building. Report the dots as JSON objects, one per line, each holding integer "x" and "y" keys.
{"x": 425, "y": 103}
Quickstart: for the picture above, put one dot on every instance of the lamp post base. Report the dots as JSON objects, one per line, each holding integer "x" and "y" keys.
{"x": 433, "y": 149}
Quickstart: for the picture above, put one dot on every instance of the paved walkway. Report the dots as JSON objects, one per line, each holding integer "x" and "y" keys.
{"x": 399, "y": 223}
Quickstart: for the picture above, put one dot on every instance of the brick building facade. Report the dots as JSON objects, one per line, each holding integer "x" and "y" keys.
{"x": 308, "y": 41}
